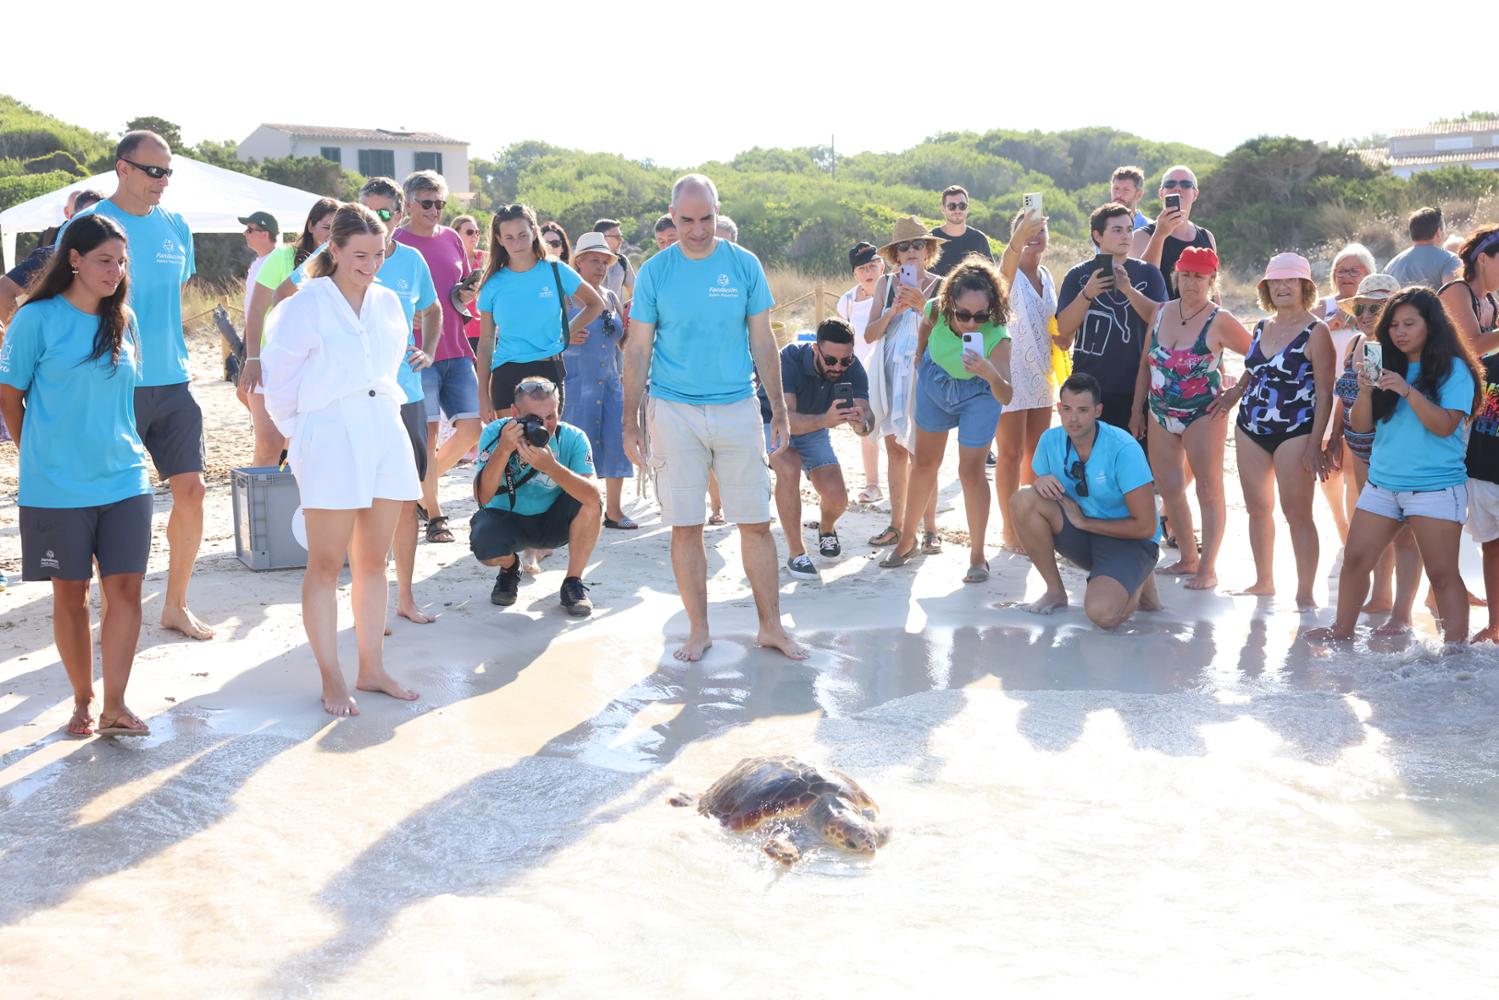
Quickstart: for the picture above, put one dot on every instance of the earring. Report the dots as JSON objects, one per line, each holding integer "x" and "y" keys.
{"x": 75, "y": 270}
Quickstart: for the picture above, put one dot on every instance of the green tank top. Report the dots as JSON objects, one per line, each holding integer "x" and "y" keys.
{"x": 946, "y": 347}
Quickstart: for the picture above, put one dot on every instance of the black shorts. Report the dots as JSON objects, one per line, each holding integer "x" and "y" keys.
{"x": 504, "y": 379}
{"x": 414, "y": 419}
{"x": 1118, "y": 407}
{"x": 1127, "y": 560}
{"x": 170, "y": 424}
{"x": 63, "y": 542}
{"x": 495, "y": 533}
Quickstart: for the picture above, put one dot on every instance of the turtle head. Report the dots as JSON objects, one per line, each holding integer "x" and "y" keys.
{"x": 845, "y": 827}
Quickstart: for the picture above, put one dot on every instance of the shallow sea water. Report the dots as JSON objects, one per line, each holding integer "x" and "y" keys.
{"x": 1212, "y": 807}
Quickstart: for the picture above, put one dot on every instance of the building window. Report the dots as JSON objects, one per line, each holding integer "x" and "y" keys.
{"x": 377, "y": 162}
{"x": 429, "y": 161}
{"x": 334, "y": 153}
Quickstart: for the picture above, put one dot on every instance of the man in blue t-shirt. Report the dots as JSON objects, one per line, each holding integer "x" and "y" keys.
{"x": 167, "y": 417}
{"x": 1093, "y": 503}
{"x": 534, "y": 496}
{"x": 701, "y": 308}
{"x": 825, "y": 387}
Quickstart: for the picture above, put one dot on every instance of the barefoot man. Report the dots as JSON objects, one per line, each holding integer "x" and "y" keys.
{"x": 701, "y": 309}
{"x": 168, "y": 419}
{"x": 1093, "y": 503}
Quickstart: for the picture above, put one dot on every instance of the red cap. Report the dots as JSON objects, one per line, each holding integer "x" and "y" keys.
{"x": 1197, "y": 260}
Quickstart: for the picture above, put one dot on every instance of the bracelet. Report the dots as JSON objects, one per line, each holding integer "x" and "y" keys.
{"x": 1086, "y": 299}
{"x": 256, "y": 358}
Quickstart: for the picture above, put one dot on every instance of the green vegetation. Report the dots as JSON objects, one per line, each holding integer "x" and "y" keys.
{"x": 802, "y": 208}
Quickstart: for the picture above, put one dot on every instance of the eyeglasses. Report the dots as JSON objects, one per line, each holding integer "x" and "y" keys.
{"x": 1174, "y": 183}
{"x": 957, "y": 206}
{"x": 1077, "y": 470}
{"x": 964, "y": 316}
{"x": 155, "y": 173}
{"x": 385, "y": 214}
{"x": 1349, "y": 272}
{"x": 1372, "y": 308}
{"x": 430, "y": 203}
{"x": 910, "y": 245}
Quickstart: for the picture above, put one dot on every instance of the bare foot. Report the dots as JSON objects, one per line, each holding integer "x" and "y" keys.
{"x": 1378, "y": 606}
{"x": 1179, "y": 568}
{"x": 184, "y": 621}
{"x": 779, "y": 639}
{"x": 382, "y": 683}
{"x": 1258, "y": 590}
{"x": 82, "y": 722}
{"x": 1327, "y": 633}
{"x": 1046, "y": 603}
{"x": 693, "y": 649}
{"x": 336, "y": 701}
{"x": 1010, "y": 544}
{"x": 1203, "y": 580}
{"x": 1395, "y": 626}
{"x": 1150, "y": 598}
{"x": 1490, "y": 634}
{"x": 413, "y": 614}
{"x": 1306, "y": 602}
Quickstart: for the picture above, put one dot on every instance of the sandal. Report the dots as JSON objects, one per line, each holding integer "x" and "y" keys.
{"x": 870, "y": 494}
{"x": 931, "y": 543}
{"x": 893, "y": 558}
{"x": 716, "y": 518}
{"x": 977, "y": 574}
{"x": 437, "y": 529}
{"x": 623, "y": 524}
{"x": 887, "y": 537}
{"x": 115, "y": 728}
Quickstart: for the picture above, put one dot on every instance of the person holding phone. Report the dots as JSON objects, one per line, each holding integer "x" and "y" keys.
{"x": 962, "y": 383}
{"x": 1162, "y": 241}
{"x": 1104, "y": 311}
{"x": 894, "y": 321}
{"x": 1417, "y": 407}
{"x": 855, "y": 306}
{"x": 825, "y": 387}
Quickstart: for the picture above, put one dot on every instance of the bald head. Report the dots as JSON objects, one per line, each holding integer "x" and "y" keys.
{"x": 694, "y": 209}
{"x": 694, "y": 186}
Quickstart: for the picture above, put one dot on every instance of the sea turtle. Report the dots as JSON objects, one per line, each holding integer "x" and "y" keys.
{"x": 793, "y": 798}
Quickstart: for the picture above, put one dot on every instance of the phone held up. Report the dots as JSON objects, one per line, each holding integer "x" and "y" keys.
{"x": 1104, "y": 264}
{"x": 974, "y": 342}
{"x": 908, "y": 275}
{"x": 1031, "y": 203}
{"x": 1373, "y": 360}
{"x": 1173, "y": 202}
{"x": 843, "y": 395}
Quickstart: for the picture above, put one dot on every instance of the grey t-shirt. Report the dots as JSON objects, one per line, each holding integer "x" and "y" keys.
{"x": 614, "y": 278}
{"x": 1423, "y": 265}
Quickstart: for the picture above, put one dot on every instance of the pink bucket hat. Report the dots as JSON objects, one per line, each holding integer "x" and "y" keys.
{"x": 1287, "y": 265}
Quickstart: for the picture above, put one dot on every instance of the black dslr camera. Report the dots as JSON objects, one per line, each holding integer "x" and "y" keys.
{"x": 534, "y": 430}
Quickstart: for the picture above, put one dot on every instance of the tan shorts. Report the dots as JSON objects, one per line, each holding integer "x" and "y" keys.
{"x": 688, "y": 442}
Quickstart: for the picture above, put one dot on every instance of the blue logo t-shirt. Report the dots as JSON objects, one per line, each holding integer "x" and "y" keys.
{"x": 537, "y": 494}
{"x": 526, "y": 311}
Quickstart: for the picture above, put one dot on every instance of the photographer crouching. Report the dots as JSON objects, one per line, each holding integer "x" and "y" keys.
{"x": 535, "y": 491}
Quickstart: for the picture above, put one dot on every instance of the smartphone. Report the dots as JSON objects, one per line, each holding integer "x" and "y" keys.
{"x": 1173, "y": 202}
{"x": 908, "y": 275}
{"x": 1373, "y": 360}
{"x": 974, "y": 342}
{"x": 1104, "y": 262}
{"x": 843, "y": 395}
{"x": 1031, "y": 203}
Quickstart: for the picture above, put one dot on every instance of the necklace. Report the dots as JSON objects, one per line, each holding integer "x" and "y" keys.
{"x": 1187, "y": 319}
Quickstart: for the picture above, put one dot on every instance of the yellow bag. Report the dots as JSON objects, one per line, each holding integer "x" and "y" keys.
{"x": 1061, "y": 361}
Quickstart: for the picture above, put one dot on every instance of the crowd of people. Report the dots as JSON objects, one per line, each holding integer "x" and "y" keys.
{"x": 554, "y": 363}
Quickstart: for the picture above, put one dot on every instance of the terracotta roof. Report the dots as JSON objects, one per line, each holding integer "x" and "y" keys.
{"x": 1451, "y": 128}
{"x": 364, "y": 134}
{"x": 1456, "y": 157}
{"x": 1373, "y": 155}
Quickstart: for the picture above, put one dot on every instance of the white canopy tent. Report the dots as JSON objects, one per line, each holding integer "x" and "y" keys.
{"x": 211, "y": 198}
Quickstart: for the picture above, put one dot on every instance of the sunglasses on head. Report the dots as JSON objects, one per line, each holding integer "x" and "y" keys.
{"x": 964, "y": 316}
{"x": 431, "y": 203}
{"x": 957, "y": 206}
{"x": 155, "y": 173}
{"x": 1173, "y": 183}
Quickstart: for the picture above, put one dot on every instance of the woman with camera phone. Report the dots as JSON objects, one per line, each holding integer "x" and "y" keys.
{"x": 330, "y": 386}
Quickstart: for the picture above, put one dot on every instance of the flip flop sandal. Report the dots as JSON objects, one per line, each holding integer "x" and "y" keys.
{"x": 931, "y": 543}
{"x": 717, "y": 519}
{"x": 977, "y": 574}
{"x": 870, "y": 494}
{"x": 118, "y": 730}
{"x": 887, "y": 537}
{"x": 437, "y": 529}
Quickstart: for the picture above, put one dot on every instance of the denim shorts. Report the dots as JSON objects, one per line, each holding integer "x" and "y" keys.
{"x": 814, "y": 447}
{"x": 1447, "y": 504}
{"x": 451, "y": 389}
{"x": 944, "y": 402}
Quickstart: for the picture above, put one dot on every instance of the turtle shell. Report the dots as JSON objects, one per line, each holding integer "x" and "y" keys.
{"x": 758, "y": 789}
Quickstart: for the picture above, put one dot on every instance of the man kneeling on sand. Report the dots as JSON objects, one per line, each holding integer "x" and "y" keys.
{"x": 533, "y": 482}
{"x": 1093, "y": 503}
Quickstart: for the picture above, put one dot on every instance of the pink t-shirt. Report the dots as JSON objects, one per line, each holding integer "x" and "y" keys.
{"x": 447, "y": 259}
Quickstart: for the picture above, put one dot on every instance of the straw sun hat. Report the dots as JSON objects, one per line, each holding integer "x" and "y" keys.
{"x": 909, "y": 230}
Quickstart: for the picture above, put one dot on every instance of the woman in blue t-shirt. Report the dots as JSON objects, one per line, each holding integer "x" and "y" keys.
{"x": 73, "y": 356}
{"x": 523, "y": 316}
{"x": 1416, "y": 404}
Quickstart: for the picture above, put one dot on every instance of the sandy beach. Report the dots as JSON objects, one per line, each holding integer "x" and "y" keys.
{"x": 1200, "y": 797}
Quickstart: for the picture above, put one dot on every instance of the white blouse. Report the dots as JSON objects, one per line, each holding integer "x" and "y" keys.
{"x": 317, "y": 351}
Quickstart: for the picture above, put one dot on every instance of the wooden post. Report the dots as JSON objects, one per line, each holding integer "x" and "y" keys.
{"x": 822, "y": 306}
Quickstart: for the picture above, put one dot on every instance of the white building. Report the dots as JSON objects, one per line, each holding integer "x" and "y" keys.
{"x": 372, "y": 152}
{"x": 1452, "y": 144}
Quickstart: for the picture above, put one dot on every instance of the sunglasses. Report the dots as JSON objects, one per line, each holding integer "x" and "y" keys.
{"x": 964, "y": 316}
{"x": 609, "y": 326}
{"x": 1168, "y": 185}
{"x": 468, "y": 232}
{"x": 430, "y": 203}
{"x": 554, "y": 244}
{"x": 385, "y": 214}
{"x": 957, "y": 206}
{"x": 1077, "y": 470}
{"x": 1372, "y": 308}
{"x": 910, "y": 245}
{"x": 155, "y": 173}
{"x": 837, "y": 362}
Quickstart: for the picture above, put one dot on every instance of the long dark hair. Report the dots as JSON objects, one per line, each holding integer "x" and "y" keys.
{"x": 308, "y": 243}
{"x": 499, "y": 257}
{"x": 87, "y": 233}
{"x": 566, "y": 256}
{"x": 1444, "y": 347}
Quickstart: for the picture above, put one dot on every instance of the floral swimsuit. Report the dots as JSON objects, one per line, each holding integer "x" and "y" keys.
{"x": 1183, "y": 381}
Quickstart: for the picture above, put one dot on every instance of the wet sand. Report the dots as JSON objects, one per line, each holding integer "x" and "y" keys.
{"x": 1200, "y": 797}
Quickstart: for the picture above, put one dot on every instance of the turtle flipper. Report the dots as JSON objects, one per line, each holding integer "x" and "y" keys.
{"x": 682, "y": 799}
{"x": 780, "y": 847}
